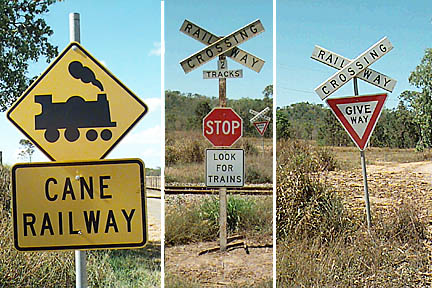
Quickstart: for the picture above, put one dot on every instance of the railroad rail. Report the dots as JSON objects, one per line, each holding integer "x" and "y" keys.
{"x": 247, "y": 190}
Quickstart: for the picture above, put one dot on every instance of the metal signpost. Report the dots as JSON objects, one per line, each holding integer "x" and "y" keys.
{"x": 222, "y": 127}
{"x": 77, "y": 205}
{"x": 261, "y": 126}
{"x": 359, "y": 114}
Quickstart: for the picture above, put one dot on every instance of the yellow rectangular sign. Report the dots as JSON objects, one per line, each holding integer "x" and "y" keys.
{"x": 79, "y": 205}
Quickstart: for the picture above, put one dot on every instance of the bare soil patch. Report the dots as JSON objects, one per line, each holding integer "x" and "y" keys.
{"x": 390, "y": 184}
{"x": 221, "y": 269}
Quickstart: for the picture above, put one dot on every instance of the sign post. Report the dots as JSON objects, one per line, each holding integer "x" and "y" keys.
{"x": 222, "y": 131}
{"x": 358, "y": 114}
{"x": 76, "y": 205}
{"x": 80, "y": 255}
{"x": 363, "y": 162}
{"x": 261, "y": 126}
{"x": 222, "y": 191}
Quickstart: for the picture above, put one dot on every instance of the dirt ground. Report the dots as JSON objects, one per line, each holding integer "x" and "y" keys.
{"x": 221, "y": 269}
{"x": 389, "y": 183}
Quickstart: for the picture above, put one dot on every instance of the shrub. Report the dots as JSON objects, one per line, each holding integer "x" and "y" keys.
{"x": 305, "y": 206}
{"x": 188, "y": 221}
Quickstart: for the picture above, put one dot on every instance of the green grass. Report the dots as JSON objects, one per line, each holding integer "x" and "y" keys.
{"x": 195, "y": 221}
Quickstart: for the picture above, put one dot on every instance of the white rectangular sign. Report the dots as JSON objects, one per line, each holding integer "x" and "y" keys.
{"x": 225, "y": 168}
{"x": 240, "y": 56}
{"x": 354, "y": 68}
{"x": 222, "y": 64}
{"x": 222, "y": 45}
{"x": 337, "y": 61}
{"x": 215, "y": 74}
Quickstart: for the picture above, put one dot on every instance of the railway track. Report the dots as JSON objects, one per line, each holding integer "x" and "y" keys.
{"x": 196, "y": 190}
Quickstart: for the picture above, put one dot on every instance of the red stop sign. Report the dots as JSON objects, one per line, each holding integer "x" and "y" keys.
{"x": 222, "y": 127}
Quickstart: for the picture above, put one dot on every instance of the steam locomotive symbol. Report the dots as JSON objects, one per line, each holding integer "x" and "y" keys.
{"x": 75, "y": 112}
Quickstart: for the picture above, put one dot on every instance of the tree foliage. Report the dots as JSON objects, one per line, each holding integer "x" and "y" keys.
{"x": 421, "y": 102}
{"x": 24, "y": 38}
{"x": 185, "y": 111}
{"x": 27, "y": 149}
{"x": 396, "y": 127}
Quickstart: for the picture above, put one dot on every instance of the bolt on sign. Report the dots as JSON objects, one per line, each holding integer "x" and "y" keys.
{"x": 337, "y": 61}
{"x": 358, "y": 115}
{"x": 222, "y": 72}
{"x": 205, "y": 37}
{"x": 220, "y": 46}
{"x": 225, "y": 167}
{"x": 222, "y": 127}
{"x": 79, "y": 205}
{"x": 353, "y": 68}
{"x": 261, "y": 126}
{"x": 84, "y": 116}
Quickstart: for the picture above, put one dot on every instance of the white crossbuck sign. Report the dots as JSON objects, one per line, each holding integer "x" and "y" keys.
{"x": 222, "y": 46}
{"x": 259, "y": 114}
{"x": 349, "y": 69}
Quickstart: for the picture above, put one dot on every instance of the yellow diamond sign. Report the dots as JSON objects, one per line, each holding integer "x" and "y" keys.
{"x": 77, "y": 109}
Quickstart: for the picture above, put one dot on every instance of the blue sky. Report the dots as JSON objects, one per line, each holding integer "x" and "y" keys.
{"x": 126, "y": 39}
{"x": 347, "y": 28}
{"x": 220, "y": 18}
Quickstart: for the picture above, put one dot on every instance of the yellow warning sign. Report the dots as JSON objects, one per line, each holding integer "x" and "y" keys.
{"x": 77, "y": 109}
{"x": 79, "y": 205}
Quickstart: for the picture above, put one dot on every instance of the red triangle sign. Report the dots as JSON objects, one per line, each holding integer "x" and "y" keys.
{"x": 261, "y": 126}
{"x": 358, "y": 115}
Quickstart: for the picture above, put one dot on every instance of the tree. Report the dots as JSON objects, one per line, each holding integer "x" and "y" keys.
{"x": 421, "y": 102}
{"x": 268, "y": 91}
{"x": 331, "y": 131}
{"x": 27, "y": 149}
{"x": 23, "y": 37}
{"x": 283, "y": 126}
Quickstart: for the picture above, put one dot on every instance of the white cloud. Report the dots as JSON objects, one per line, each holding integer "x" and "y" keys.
{"x": 157, "y": 49}
{"x": 152, "y": 135}
{"x": 153, "y": 103}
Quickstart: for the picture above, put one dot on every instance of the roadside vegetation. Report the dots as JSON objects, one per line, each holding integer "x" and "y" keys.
{"x": 191, "y": 220}
{"x": 185, "y": 158}
{"x": 321, "y": 242}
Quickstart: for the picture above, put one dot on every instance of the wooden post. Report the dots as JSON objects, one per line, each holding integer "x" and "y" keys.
{"x": 222, "y": 191}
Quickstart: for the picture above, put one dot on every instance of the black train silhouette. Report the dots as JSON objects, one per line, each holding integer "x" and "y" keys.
{"x": 73, "y": 114}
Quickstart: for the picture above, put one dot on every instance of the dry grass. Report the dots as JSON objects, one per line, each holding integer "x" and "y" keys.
{"x": 392, "y": 256}
{"x": 185, "y": 158}
{"x": 395, "y": 254}
{"x": 349, "y": 157}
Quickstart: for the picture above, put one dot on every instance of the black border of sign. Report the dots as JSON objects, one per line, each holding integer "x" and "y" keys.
{"x": 244, "y": 168}
{"x": 52, "y": 65}
{"x": 81, "y": 163}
